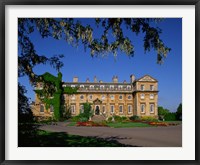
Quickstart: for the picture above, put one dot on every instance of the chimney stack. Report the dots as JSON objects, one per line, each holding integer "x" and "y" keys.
{"x": 75, "y": 79}
{"x": 95, "y": 79}
{"x": 132, "y": 78}
{"x": 115, "y": 79}
{"x": 87, "y": 80}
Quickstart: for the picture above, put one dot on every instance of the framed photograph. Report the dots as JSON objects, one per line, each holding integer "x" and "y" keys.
{"x": 99, "y": 82}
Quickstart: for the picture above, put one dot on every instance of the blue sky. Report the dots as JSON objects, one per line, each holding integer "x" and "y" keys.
{"x": 78, "y": 62}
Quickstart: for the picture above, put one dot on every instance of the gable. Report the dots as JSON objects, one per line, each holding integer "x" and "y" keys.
{"x": 147, "y": 78}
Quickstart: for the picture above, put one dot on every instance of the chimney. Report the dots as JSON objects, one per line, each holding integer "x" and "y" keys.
{"x": 75, "y": 79}
{"x": 132, "y": 78}
{"x": 95, "y": 79}
{"x": 87, "y": 80}
{"x": 115, "y": 79}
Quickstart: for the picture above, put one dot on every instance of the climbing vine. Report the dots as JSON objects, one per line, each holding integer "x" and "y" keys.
{"x": 52, "y": 92}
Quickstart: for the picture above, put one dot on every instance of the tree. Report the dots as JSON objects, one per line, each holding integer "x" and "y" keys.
{"x": 24, "y": 113}
{"x": 74, "y": 32}
{"x": 162, "y": 112}
{"x": 26, "y": 128}
{"x": 179, "y": 112}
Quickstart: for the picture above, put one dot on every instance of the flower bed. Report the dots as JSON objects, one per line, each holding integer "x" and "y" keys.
{"x": 91, "y": 124}
{"x": 158, "y": 124}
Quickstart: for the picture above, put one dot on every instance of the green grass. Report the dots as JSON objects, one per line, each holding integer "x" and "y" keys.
{"x": 62, "y": 139}
{"x": 127, "y": 125}
{"x": 72, "y": 123}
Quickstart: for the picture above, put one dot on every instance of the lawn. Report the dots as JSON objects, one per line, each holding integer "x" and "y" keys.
{"x": 120, "y": 124}
{"x": 62, "y": 139}
{"x": 127, "y": 125}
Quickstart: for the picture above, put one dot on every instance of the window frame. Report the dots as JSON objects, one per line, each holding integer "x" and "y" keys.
{"x": 73, "y": 110}
{"x": 142, "y": 110}
{"x": 151, "y": 96}
{"x": 112, "y": 110}
{"x": 150, "y": 105}
{"x": 121, "y": 112}
{"x": 131, "y": 108}
{"x": 121, "y": 97}
{"x": 142, "y": 87}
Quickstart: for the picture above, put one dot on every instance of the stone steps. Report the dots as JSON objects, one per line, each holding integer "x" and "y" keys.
{"x": 98, "y": 118}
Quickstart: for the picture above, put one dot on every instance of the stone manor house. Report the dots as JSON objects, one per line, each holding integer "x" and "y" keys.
{"x": 137, "y": 97}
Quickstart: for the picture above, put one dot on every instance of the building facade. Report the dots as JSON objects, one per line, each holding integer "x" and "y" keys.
{"x": 137, "y": 97}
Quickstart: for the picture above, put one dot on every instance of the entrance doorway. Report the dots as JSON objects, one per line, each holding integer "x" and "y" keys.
{"x": 97, "y": 110}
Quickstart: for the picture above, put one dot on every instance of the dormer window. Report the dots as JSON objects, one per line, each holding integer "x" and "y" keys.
{"x": 128, "y": 87}
{"x": 81, "y": 86}
{"x": 112, "y": 87}
{"x": 120, "y": 87}
{"x": 91, "y": 86}
{"x": 101, "y": 87}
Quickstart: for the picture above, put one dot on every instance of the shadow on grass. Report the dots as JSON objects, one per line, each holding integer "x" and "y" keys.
{"x": 62, "y": 139}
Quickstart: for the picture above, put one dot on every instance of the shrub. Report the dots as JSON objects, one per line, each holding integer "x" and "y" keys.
{"x": 83, "y": 119}
{"x": 170, "y": 117}
{"x": 134, "y": 117}
{"x": 148, "y": 118}
{"x": 109, "y": 119}
{"x": 75, "y": 118}
{"x": 118, "y": 118}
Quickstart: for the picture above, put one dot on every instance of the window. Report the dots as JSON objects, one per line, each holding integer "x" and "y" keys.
{"x": 90, "y": 97}
{"x": 73, "y": 97}
{"x": 142, "y": 87}
{"x": 101, "y": 87}
{"x": 129, "y": 97}
{"x": 128, "y": 87}
{"x": 142, "y": 96}
{"x": 51, "y": 108}
{"x": 73, "y": 110}
{"x": 142, "y": 108}
{"x": 41, "y": 85}
{"x": 81, "y": 97}
{"x": 121, "y": 109}
{"x": 81, "y": 108}
{"x": 112, "y": 97}
{"x": 151, "y": 108}
{"x": 120, "y": 97}
{"x": 103, "y": 97}
{"x": 112, "y": 87}
{"x": 81, "y": 86}
{"x": 129, "y": 108}
{"x": 151, "y": 87}
{"x": 104, "y": 109}
{"x": 151, "y": 96}
{"x": 42, "y": 108}
{"x": 112, "y": 109}
{"x": 120, "y": 87}
{"x": 91, "y": 86}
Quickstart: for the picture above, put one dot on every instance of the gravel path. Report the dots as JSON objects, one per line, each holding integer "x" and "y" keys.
{"x": 170, "y": 136}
